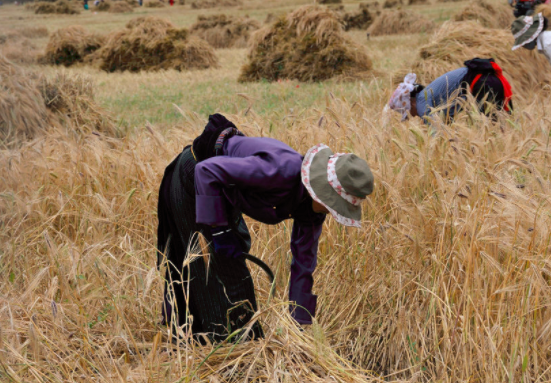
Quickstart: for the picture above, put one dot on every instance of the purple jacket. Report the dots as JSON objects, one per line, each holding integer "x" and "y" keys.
{"x": 261, "y": 178}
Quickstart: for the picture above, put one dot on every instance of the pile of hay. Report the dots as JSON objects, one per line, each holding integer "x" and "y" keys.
{"x": 223, "y": 31}
{"x": 154, "y": 4}
{"x": 71, "y": 45}
{"x": 397, "y": 22}
{"x": 203, "y": 4}
{"x": 486, "y": 14}
{"x": 121, "y": 7}
{"x": 151, "y": 43}
{"x": 103, "y": 6}
{"x": 307, "y": 45}
{"x": 393, "y": 3}
{"x": 418, "y": 2}
{"x": 30, "y": 103}
{"x": 362, "y": 18}
{"x": 456, "y": 42}
{"x": 59, "y": 7}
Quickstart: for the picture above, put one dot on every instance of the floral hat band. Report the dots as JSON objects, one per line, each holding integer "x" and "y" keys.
{"x": 335, "y": 183}
{"x": 400, "y": 100}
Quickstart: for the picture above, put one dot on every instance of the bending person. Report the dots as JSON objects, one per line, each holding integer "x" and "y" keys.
{"x": 482, "y": 77}
{"x": 531, "y": 32}
{"x": 270, "y": 182}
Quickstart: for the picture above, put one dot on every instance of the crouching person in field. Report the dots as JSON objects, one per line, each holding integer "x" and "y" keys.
{"x": 270, "y": 182}
{"x": 483, "y": 78}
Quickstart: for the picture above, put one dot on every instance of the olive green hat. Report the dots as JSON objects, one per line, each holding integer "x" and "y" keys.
{"x": 340, "y": 182}
{"x": 526, "y": 29}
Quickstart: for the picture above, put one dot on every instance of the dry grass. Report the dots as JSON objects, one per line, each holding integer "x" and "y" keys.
{"x": 121, "y": 7}
{"x": 392, "y": 3}
{"x": 308, "y": 45}
{"x": 545, "y": 9}
{"x": 103, "y": 6}
{"x": 222, "y": 31}
{"x": 489, "y": 15}
{"x": 418, "y": 2}
{"x": 21, "y": 51}
{"x": 450, "y": 46}
{"x": 205, "y": 4}
{"x": 154, "y": 4}
{"x": 400, "y": 22}
{"x": 361, "y": 18}
{"x": 150, "y": 43}
{"x": 68, "y": 46}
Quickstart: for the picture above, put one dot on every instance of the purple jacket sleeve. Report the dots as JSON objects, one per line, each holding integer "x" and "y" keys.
{"x": 304, "y": 246}
{"x": 254, "y": 173}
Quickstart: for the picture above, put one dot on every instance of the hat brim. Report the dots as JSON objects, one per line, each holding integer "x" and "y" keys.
{"x": 314, "y": 178}
{"x": 532, "y": 33}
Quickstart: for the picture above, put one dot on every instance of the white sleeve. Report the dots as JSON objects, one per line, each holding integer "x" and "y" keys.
{"x": 544, "y": 41}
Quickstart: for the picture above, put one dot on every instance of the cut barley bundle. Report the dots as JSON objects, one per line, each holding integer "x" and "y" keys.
{"x": 306, "y": 45}
{"x": 30, "y": 103}
{"x": 154, "y": 4}
{"x": 70, "y": 45}
{"x": 103, "y": 6}
{"x": 151, "y": 43}
{"x": 204, "y": 4}
{"x": 223, "y": 31}
{"x": 393, "y": 3}
{"x": 486, "y": 14}
{"x": 360, "y": 19}
{"x": 396, "y": 22}
{"x": 22, "y": 109}
{"x": 59, "y": 7}
{"x": 456, "y": 42}
{"x": 121, "y": 7}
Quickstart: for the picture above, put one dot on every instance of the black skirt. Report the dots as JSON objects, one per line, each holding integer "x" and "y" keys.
{"x": 215, "y": 300}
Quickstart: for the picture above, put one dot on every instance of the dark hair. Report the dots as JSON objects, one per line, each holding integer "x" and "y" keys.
{"x": 416, "y": 90}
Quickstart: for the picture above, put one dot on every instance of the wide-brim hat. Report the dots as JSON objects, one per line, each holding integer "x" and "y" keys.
{"x": 340, "y": 182}
{"x": 526, "y": 29}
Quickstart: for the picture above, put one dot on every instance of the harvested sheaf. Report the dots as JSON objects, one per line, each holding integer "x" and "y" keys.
{"x": 151, "y": 43}
{"x": 204, "y": 4}
{"x": 70, "y": 45}
{"x": 121, "y": 7}
{"x": 307, "y": 45}
{"x": 154, "y": 4}
{"x": 360, "y": 19}
{"x": 29, "y": 104}
{"x": 456, "y": 42}
{"x": 103, "y": 6}
{"x": 222, "y": 31}
{"x": 393, "y": 3}
{"x": 58, "y": 7}
{"x": 486, "y": 14}
{"x": 396, "y": 22}
{"x": 544, "y": 9}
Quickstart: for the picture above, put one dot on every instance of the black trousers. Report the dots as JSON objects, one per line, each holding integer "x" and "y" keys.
{"x": 215, "y": 300}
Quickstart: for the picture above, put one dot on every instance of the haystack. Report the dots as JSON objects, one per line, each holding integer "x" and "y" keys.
{"x": 29, "y": 104}
{"x": 70, "y": 45}
{"x": 103, "y": 6}
{"x": 22, "y": 109}
{"x": 121, "y": 7}
{"x": 362, "y": 18}
{"x": 393, "y": 3}
{"x": 545, "y": 9}
{"x": 489, "y": 15}
{"x": 59, "y": 7}
{"x": 154, "y": 4}
{"x": 307, "y": 45}
{"x": 395, "y": 22}
{"x": 223, "y": 31}
{"x": 456, "y": 42}
{"x": 151, "y": 43}
{"x": 203, "y": 4}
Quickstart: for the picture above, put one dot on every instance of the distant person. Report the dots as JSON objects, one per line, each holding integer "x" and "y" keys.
{"x": 171, "y": 2}
{"x": 483, "y": 77}
{"x": 140, "y": 2}
{"x": 86, "y": 5}
{"x": 531, "y": 32}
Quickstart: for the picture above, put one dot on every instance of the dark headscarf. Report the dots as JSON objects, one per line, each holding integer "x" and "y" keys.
{"x": 204, "y": 146}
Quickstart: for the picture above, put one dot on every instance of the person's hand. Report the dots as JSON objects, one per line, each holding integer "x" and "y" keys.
{"x": 226, "y": 242}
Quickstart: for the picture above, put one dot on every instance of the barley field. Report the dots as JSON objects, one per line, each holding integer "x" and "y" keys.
{"x": 447, "y": 281}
